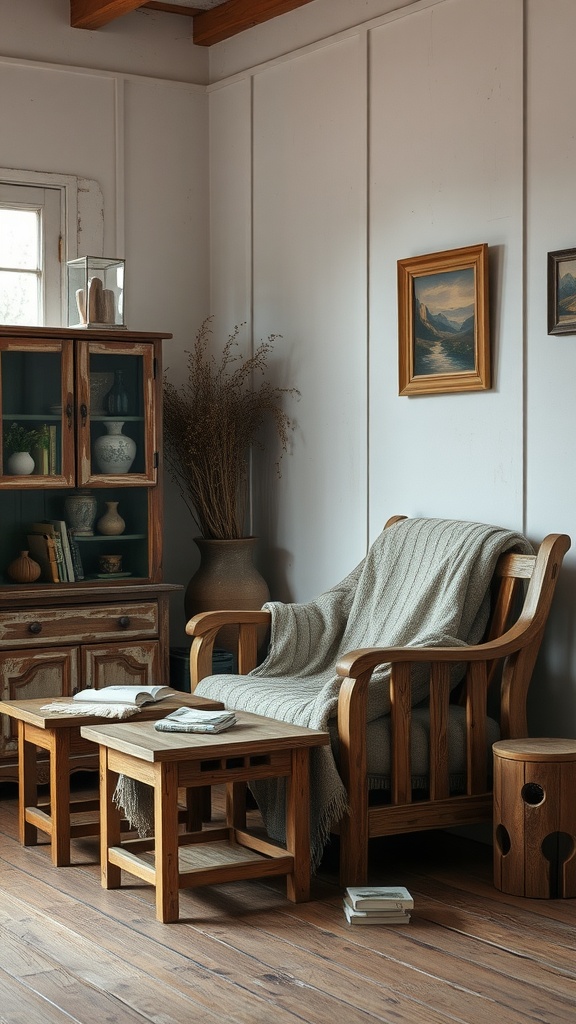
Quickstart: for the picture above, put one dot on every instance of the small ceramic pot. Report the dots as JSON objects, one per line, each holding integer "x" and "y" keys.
{"x": 110, "y": 563}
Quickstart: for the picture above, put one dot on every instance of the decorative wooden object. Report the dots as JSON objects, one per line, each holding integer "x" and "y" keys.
{"x": 56, "y": 638}
{"x": 535, "y": 817}
{"x": 498, "y": 676}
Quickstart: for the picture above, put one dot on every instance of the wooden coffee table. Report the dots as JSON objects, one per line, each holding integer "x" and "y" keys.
{"x": 60, "y": 736}
{"x": 254, "y": 748}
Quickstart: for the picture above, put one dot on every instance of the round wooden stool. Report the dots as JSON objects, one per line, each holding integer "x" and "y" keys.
{"x": 535, "y": 817}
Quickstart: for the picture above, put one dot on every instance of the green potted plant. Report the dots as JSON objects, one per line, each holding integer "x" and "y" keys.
{"x": 211, "y": 422}
{"x": 19, "y": 442}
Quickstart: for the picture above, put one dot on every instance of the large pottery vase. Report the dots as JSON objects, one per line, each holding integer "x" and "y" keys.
{"x": 226, "y": 579}
{"x": 114, "y": 451}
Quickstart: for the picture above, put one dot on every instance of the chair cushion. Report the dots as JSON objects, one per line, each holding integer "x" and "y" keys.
{"x": 378, "y": 748}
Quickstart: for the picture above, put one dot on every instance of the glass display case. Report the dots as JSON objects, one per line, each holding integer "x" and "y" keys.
{"x": 96, "y": 293}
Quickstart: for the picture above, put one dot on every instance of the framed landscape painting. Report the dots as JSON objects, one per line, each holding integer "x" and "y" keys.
{"x": 443, "y": 330}
{"x": 562, "y": 291}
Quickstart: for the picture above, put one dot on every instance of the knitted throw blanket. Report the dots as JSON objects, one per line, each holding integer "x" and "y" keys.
{"x": 424, "y": 582}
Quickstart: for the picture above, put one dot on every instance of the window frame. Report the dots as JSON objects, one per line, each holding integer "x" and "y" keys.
{"x": 81, "y": 220}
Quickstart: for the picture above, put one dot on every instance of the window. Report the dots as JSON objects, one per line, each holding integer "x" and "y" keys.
{"x": 31, "y": 284}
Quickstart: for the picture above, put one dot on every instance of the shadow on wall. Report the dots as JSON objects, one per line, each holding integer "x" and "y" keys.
{"x": 552, "y": 695}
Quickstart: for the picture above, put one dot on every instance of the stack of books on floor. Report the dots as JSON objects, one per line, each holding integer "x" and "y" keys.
{"x": 377, "y": 904}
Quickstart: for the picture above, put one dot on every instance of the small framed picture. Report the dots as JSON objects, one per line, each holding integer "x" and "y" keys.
{"x": 443, "y": 329}
{"x": 562, "y": 291}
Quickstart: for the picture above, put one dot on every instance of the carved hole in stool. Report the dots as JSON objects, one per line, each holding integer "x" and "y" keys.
{"x": 503, "y": 840}
{"x": 557, "y": 847}
{"x": 532, "y": 793}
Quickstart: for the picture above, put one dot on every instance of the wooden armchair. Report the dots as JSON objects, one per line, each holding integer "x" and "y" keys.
{"x": 498, "y": 673}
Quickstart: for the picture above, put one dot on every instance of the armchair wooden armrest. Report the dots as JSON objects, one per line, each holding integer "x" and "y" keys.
{"x": 204, "y": 628}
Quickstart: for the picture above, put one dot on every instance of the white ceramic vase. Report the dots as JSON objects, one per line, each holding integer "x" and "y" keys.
{"x": 20, "y": 464}
{"x": 114, "y": 452}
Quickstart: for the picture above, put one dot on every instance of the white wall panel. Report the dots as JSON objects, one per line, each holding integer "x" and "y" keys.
{"x": 446, "y": 172}
{"x": 166, "y": 183}
{"x": 309, "y": 236}
{"x": 304, "y": 26}
{"x": 231, "y": 206}
{"x": 167, "y": 277}
{"x": 551, "y": 360}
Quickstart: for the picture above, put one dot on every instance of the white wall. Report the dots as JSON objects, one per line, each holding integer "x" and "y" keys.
{"x": 144, "y": 139}
{"x": 424, "y": 126}
{"x": 342, "y": 137}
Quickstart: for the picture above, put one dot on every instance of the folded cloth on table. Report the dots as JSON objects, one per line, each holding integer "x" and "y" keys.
{"x": 83, "y": 709}
{"x": 196, "y": 720}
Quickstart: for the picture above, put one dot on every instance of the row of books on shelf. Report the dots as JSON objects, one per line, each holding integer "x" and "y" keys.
{"x": 377, "y": 904}
{"x": 52, "y": 544}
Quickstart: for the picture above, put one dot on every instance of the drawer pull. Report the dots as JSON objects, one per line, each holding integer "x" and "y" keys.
{"x": 35, "y": 627}
{"x": 124, "y": 622}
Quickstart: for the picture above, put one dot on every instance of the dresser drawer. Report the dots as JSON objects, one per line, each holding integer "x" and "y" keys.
{"x": 89, "y": 623}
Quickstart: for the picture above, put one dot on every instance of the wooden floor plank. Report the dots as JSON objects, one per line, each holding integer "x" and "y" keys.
{"x": 242, "y": 953}
{"x": 20, "y": 1005}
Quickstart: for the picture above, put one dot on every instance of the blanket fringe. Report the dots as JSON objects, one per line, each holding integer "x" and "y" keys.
{"x": 136, "y": 800}
{"x": 332, "y": 813}
{"x": 84, "y": 708}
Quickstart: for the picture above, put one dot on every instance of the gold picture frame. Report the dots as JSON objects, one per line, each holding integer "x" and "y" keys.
{"x": 443, "y": 328}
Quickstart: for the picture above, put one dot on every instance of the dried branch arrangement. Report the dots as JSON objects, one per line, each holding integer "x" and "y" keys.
{"x": 211, "y": 421}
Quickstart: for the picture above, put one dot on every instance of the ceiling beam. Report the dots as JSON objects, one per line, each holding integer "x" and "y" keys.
{"x": 97, "y": 13}
{"x": 237, "y": 15}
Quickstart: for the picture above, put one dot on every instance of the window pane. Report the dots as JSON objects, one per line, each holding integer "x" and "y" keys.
{"x": 19, "y": 299}
{"x": 19, "y": 241}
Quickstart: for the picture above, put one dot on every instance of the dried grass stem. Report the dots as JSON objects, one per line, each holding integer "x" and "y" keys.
{"x": 211, "y": 421}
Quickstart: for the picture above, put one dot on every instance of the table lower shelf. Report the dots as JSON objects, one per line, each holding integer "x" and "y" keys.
{"x": 207, "y": 857}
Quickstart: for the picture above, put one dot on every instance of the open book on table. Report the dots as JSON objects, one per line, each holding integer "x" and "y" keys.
{"x": 135, "y": 695}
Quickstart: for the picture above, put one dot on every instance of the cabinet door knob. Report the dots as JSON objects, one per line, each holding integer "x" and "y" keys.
{"x": 123, "y": 622}
{"x": 35, "y": 627}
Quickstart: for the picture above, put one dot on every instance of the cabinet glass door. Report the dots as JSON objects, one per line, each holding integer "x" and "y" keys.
{"x": 36, "y": 414}
{"x": 116, "y": 415}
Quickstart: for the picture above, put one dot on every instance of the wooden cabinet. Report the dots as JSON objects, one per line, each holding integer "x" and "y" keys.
{"x": 93, "y": 629}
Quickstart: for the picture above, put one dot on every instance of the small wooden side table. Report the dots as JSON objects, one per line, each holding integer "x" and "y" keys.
{"x": 535, "y": 817}
{"x": 254, "y": 748}
{"x": 60, "y": 736}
